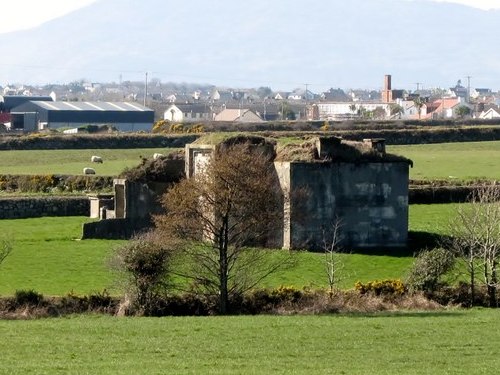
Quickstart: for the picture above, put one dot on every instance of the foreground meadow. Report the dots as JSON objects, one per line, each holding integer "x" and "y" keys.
{"x": 443, "y": 342}
{"x": 49, "y": 257}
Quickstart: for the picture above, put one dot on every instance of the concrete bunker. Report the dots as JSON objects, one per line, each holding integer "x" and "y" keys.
{"x": 354, "y": 184}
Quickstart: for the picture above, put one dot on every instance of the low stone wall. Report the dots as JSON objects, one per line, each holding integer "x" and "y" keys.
{"x": 441, "y": 194}
{"x": 26, "y": 207}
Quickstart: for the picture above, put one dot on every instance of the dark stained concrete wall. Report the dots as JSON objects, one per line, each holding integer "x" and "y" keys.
{"x": 370, "y": 200}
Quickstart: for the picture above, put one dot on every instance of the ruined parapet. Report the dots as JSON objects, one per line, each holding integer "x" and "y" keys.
{"x": 377, "y": 144}
{"x": 197, "y": 157}
{"x": 327, "y": 146}
{"x": 198, "y": 154}
{"x": 99, "y": 203}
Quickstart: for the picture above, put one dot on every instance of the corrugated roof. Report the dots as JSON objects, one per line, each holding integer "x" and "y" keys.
{"x": 92, "y": 106}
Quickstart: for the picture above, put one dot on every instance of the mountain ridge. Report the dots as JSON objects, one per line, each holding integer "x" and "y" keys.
{"x": 334, "y": 44}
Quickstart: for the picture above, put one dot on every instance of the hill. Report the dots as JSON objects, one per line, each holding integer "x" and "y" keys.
{"x": 279, "y": 43}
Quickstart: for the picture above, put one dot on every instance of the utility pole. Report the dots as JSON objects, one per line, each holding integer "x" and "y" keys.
{"x": 305, "y": 110}
{"x": 468, "y": 89}
{"x": 146, "y": 89}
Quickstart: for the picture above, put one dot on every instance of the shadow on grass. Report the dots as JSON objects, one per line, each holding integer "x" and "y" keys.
{"x": 407, "y": 314}
{"x": 417, "y": 241}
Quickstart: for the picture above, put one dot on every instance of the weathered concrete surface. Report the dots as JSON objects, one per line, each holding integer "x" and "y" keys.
{"x": 369, "y": 200}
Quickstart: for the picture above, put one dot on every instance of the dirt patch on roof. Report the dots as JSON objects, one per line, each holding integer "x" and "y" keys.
{"x": 166, "y": 169}
{"x": 335, "y": 149}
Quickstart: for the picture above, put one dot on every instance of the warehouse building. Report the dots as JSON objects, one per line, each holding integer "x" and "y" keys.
{"x": 8, "y": 102}
{"x": 124, "y": 116}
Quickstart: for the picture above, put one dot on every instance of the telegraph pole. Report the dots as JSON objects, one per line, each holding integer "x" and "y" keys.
{"x": 468, "y": 88}
{"x": 146, "y": 89}
{"x": 305, "y": 110}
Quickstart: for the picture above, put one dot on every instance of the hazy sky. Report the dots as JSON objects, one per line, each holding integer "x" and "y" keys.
{"x": 25, "y": 14}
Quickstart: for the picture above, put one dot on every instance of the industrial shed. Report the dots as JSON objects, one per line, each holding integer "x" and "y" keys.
{"x": 124, "y": 116}
{"x": 8, "y": 102}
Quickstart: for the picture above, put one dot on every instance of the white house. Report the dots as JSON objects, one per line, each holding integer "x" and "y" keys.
{"x": 188, "y": 113}
{"x": 489, "y": 114}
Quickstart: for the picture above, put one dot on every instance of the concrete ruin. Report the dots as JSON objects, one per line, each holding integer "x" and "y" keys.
{"x": 354, "y": 185}
{"x": 129, "y": 210}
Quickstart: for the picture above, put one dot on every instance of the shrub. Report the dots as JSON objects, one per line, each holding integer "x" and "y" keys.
{"x": 146, "y": 263}
{"x": 27, "y": 298}
{"x": 381, "y": 287}
{"x": 267, "y": 300}
{"x": 428, "y": 269}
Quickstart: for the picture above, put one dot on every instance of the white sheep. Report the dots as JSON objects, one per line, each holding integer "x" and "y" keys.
{"x": 96, "y": 159}
{"x": 157, "y": 156}
{"x": 88, "y": 170}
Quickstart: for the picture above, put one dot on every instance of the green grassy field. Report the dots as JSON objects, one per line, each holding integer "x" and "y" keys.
{"x": 73, "y": 161}
{"x": 49, "y": 258}
{"x": 460, "y": 160}
{"x": 447, "y": 342}
{"x": 452, "y": 160}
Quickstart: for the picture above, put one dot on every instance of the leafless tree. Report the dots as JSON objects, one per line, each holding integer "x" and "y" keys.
{"x": 476, "y": 238}
{"x": 217, "y": 214}
{"x": 332, "y": 249}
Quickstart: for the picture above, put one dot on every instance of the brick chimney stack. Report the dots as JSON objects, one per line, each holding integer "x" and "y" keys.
{"x": 387, "y": 92}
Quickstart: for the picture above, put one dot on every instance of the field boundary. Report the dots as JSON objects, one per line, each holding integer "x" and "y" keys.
{"x": 28, "y": 207}
{"x": 393, "y": 135}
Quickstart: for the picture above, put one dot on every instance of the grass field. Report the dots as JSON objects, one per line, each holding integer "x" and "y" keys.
{"x": 73, "y": 161}
{"x": 48, "y": 258}
{"x": 460, "y": 160}
{"x": 447, "y": 342}
{"x": 452, "y": 160}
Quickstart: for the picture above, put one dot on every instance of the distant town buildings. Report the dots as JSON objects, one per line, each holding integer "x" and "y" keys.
{"x": 179, "y": 103}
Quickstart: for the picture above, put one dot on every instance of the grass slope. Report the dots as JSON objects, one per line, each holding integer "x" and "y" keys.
{"x": 465, "y": 161}
{"x": 48, "y": 258}
{"x": 456, "y": 342}
{"x": 73, "y": 161}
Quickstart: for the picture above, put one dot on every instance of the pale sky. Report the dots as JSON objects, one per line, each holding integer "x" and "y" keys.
{"x": 482, "y": 4}
{"x": 26, "y": 14}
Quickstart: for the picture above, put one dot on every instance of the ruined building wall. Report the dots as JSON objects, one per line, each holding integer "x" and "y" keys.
{"x": 370, "y": 200}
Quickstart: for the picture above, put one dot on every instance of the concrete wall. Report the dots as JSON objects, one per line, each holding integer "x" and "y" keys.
{"x": 115, "y": 229}
{"x": 370, "y": 200}
{"x": 20, "y": 208}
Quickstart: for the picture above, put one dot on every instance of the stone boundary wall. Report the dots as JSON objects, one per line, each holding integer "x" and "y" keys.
{"x": 393, "y": 134}
{"x": 79, "y": 142}
{"x": 441, "y": 194}
{"x": 26, "y": 207}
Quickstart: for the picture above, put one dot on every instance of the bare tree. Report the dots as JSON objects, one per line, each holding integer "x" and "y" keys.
{"x": 234, "y": 203}
{"x": 332, "y": 249}
{"x": 476, "y": 238}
